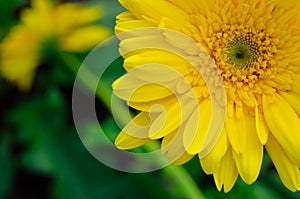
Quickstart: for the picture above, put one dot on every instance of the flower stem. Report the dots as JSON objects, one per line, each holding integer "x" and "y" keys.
{"x": 184, "y": 184}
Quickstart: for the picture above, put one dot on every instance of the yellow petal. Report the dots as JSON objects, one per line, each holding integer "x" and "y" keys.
{"x": 135, "y": 133}
{"x": 148, "y": 92}
{"x": 148, "y": 40}
{"x": 130, "y": 88}
{"x": 196, "y": 92}
{"x": 41, "y": 16}
{"x": 66, "y": 19}
{"x": 172, "y": 118}
{"x": 127, "y": 25}
{"x": 18, "y": 64}
{"x": 184, "y": 86}
{"x": 211, "y": 162}
{"x": 183, "y": 159}
{"x": 286, "y": 4}
{"x": 155, "y": 105}
{"x": 293, "y": 99}
{"x": 285, "y": 18}
{"x": 155, "y": 72}
{"x": 125, "y": 141}
{"x": 227, "y": 173}
{"x": 84, "y": 39}
{"x": 168, "y": 141}
{"x": 186, "y": 43}
{"x": 43, "y": 5}
{"x": 288, "y": 172}
{"x": 236, "y": 133}
{"x": 215, "y": 128}
{"x": 188, "y": 6}
{"x": 296, "y": 87}
{"x": 173, "y": 147}
{"x": 283, "y": 123}
{"x": 157, "y": 56}
{"x": 261, "y": 126}
{"x": 167, "y": 23}
{"x": 155, "y": 11}
{"x": 197, "y": 127}
{"x": 294, "y": 160}
{"x": 249, "y": 162}
{"x": 125, "y": 16}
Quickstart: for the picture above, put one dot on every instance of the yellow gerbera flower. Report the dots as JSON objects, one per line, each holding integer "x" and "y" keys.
{"x": 67, "y": 26}
{"x": 256, "y": 46}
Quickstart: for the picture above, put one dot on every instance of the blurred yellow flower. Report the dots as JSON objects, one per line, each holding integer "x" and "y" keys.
{"x": 256, "y": 48}
{"x": 67, "y": 27}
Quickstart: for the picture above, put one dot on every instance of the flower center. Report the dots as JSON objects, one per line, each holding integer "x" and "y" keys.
{"x": 241, "y": 53}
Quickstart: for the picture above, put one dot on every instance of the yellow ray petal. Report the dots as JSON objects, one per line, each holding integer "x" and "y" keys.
{"x": 160, "y": 57}
{"x": 155, "y": 11}
{"x": 296, "y": 87}
{"x": 261, "y": 126}
{"x": 288, "y": 16}
{"x": 183, "y": 159}
{"x": 185, "y": 43}
{"x": 293, "y": 99}
{"x": 156, "y": 41}
{"x": 227, "y": 174}
{"x": 288, "y": 172}
{"x": 18, "y": 64}
{"x": 236, "y": 133}
{"x": 84, "y": 38}
{"x": 170, "y": 120}
{"x": 123, "y": 26}
{"x": 125, "y": 16}
{"x": 135, "y": 133}
{"x": 44, "y": 5}
{"x": 169, "y": 141}
{"x": 155, "y": 72}
{"x": 41, "y": 16}
{"x": 188, "y": 6}
{"x": 294, "y": 160}
{"x": 211, "y": 162}
{"x": 283, "y": 123}
{"x": 66, "y": 19}
{"x": 139, "y": 125}
{"x": 173, "y": 147}
{"x": 132, "y": 89}
{"x": 197, "y": 127}
{"x": 125, "y": 141}
{"x": 287, "y": 4}
{"x": 249, "y": 162}
{"x": 206, "y": 6}
{"x": 127, "y": 21}
{"x": 155, "y": 105}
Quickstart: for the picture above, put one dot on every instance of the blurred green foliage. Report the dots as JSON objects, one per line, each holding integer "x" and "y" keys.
{"x": 41, "y": 155}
